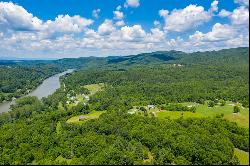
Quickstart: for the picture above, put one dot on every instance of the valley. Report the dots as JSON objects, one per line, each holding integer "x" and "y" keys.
{"x": 160, "y": 108}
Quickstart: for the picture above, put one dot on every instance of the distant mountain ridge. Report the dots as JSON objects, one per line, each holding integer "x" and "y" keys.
{"x": 233, "y": 55}
{"x": 24, "y": 59}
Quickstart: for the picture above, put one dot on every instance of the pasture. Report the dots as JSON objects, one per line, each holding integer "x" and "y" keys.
{"x": 93, "y": 88}
{"x": 242, "y": 156}
{"x": 241, "y": 118}
{"x": 91, "y": 115}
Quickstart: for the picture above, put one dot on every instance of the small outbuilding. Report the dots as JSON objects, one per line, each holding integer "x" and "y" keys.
{"x": 86, "y": 97}
{"x": 151, "y": 107}
{"x": 81, "y": 118}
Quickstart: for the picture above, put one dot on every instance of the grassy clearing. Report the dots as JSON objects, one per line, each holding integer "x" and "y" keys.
{"x": 93, "y": 88}
{"x": 177, "y": 114}
{"x": 92, "y": 115}
{"x": 243, "y": 156}
{"x": 242, "y": 118}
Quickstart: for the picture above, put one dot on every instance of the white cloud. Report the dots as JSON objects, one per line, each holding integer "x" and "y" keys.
{"x": 224, "y": 13}
{"x": 132, "y": 3}
{"x": 192, "y": 16}
{"x": 67, "y": 24}
{"x": 221, "y": 36}
{"x": 185, "y": 19}
{"x": 214, "y": 6}
{"x": 163, "y": 13}
{"x": 242, "y": 2}
{"x": 240, "y": 16}
{"x": 119, "y": 7}
{"x": 134, "y": 33}
{"x": 106, "y": 27}
{"x": 95, "y": 13}
{"x": 156, "y": 35}
{"x": 118, "y": 15}
{"x": 120, "y": 23}
{"x": 17, "y": 18}
{"x": 219, "y": 33}
{"x": 240, "y": 41}
{"x": 21, "y": 33}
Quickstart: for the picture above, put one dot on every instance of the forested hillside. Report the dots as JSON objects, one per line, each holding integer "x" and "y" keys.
{"x": 16, "y": 80}
{"x": 217, "y": 75}
{"x": 123, "y": 110}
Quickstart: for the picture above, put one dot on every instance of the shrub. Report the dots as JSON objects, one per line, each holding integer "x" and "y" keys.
{"x": 236, "y": 109}
{"x": 211, "y": 104}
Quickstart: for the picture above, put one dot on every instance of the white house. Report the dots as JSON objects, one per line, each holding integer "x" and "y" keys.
{"x": 82, "y": 118}
{"x": 86, "y": 97}
{"x": 151, "y": 106}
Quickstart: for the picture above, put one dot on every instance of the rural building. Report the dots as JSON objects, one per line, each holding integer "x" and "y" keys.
{"x": 81, "y": 118}
{"x": 86, "y": 97}
{"x": 151, "y": 106}
{"x": 131, "y": 112}
{"x": 73, "y": 98}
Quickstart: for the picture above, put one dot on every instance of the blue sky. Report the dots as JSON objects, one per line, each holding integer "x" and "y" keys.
{"x": 56, "y": 29}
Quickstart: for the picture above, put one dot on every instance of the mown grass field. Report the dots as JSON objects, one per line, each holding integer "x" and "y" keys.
{"x": 243, "y": 156}
{"x": 92, "y": 115}
{"x": 93, "y": 88}
{"x": 241, "y": 118}
{"x": 177, "y": 114}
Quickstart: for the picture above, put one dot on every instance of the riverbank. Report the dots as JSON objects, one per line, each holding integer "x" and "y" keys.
{"x": 28, "y": 90}
{"x": 18, "y": 80}
{"x": 46, "y": 88}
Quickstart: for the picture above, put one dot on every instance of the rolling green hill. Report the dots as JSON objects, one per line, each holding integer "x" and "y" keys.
{"x": 89, "y": 119}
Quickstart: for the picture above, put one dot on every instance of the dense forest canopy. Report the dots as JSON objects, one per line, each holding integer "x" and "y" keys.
{"x": 39, "y": 132}
{"x": 119, "y": 138}
{"x": 217, "y": 75}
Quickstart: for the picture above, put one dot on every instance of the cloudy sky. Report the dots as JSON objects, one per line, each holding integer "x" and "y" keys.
{"x": 56, "y": 29}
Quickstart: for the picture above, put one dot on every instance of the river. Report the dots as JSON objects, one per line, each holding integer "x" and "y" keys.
{"x": 48, "y": 87}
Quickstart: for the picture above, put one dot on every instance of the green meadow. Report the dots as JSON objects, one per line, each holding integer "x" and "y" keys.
{"x": 91, "y": 115}
{"x": 242, "y": 156}
{"x": 241, "y": 118}
{"x": 93, "y": 88}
